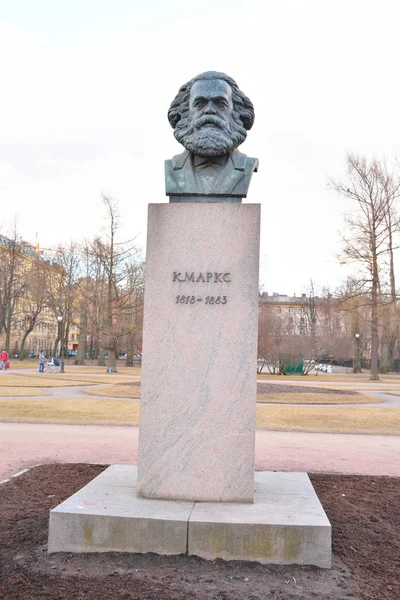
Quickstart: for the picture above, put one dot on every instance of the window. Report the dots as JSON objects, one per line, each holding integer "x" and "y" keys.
{"x": 278, "y": 309}
{"x": 290, "y": 309}
{"x": 302, "y": 320}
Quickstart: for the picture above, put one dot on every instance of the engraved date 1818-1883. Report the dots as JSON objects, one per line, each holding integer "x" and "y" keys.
{"x": 182, "y": 299}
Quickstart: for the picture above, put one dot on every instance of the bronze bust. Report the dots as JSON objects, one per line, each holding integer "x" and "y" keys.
{"x": 210, "y": 117}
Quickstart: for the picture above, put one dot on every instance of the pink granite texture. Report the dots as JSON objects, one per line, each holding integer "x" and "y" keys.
{"x": 197, "y": 421}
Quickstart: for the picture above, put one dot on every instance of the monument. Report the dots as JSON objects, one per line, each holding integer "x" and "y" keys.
{"x": 195, "y": 490}
{"x": 198, "y": 401}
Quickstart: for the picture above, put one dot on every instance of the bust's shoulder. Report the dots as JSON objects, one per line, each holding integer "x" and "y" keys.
{"x": 242, "y": 162}
{"x": 178, "y": 161}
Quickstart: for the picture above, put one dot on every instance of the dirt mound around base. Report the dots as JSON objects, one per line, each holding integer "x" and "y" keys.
{"x": 366, "y": 543}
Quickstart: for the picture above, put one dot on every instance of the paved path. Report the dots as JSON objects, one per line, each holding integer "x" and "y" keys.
{"x": 23, "y": 445}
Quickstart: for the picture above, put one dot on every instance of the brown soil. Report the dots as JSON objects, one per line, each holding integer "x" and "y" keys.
{"x": 364, "y": 512}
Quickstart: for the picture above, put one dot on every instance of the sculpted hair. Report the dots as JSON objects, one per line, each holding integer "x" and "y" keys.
{"x": 242, "y": 104}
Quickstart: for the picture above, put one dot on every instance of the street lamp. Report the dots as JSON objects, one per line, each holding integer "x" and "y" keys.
{"x": 357, "y": 353}
{"x": 60, "y": 319}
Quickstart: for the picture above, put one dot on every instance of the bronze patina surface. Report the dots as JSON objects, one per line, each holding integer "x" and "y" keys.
{"x": 210, "y": 116}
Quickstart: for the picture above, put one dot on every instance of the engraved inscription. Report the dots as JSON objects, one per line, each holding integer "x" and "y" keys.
{"x": 208, "y": 277}
{"x": 182, "y": 299}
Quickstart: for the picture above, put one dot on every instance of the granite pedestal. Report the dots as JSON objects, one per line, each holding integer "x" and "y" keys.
{"x": 286, "y": 523}
{"x": 198, "y": 393}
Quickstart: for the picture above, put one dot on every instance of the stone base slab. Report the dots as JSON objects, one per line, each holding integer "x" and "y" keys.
{"x": 286, "y": 524}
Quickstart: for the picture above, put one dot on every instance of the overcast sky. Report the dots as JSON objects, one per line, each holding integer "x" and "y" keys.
{"x": 86, "y": 84}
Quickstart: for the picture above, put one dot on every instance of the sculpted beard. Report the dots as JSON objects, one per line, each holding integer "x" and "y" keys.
{"x": 209, "y": 135}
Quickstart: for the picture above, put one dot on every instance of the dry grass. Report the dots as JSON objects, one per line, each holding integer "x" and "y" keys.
{"x": 88, "y": 370}
{"x": 16, "y": 365}
{"x": 28, "y": 363}
{"x": 322, "y": 378}
{"x": 383, "y": 387}
{"x": 304, "y": 398}
{"x": 19, "y": 391}
{"x": 330, "y": 419}
{"x": 133, "y": 391}
{"x": 42, "y": 381}
{"x": 115, "y": 391}
{"x": 80, "y": 412}
{"x": 76, "y": 379}
{"x": 289, "y": 418}
{"x": 299, "y": 397}
{"x": 336, "y": 386}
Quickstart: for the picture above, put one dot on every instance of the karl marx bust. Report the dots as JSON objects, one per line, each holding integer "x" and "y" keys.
{"x": 210, "y": 117}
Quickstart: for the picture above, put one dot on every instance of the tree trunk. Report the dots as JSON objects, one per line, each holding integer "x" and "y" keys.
{"x": 66, "y": 336}
{"x": 101, "y": 361}
{"x": 130, "y": 352}
{"x": 374, "y": 321}
{"x": 22, "y": 349}
{"x": 56, "y": 342}
{"x": 81, "y": 354}
{"x": 8, "y": 339}
{"x": 111, "y": 361}
{"x": 384, "y": 362}
{"x": 392, "y": 348}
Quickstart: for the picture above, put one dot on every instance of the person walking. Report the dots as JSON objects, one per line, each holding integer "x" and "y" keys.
{"x": 41, "y": 361}
{"x": 4, "y": 359}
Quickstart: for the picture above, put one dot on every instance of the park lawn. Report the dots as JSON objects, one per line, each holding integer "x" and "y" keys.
{"x": 122, "y": 369}
{"x": 315, "y": 398}
{"x": 39, "y": 381}
{"x": 133, "y": 391}
{"x": 28, "y": 363}
{"x": 68, "y": 411}
{"x": 21, "y": 391}
{"x": 282, "y": 418}
{"x": 115, "y": 391}
{"x": 324, "y": 378}
{"x": 383, "y": 387}
{"x": 95, "y": 370}
{"x": 329, "y": 419}
{"x": 76, "y": 379}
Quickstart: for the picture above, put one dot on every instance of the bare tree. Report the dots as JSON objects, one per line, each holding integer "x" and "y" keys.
{"x": 135, "y": 270}
{"x": 14, "y": 260}
{"x": 390, "y": 316}
{"x": 34, "y": 302}
{"x": 111, "y": 305}
{"x": 65, "y": 272}
{"x": 270, "y": 335}
{"x": 374, "y": 192}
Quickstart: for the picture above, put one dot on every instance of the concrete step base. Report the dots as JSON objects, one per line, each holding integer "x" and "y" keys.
{"x": 285, "y": 525}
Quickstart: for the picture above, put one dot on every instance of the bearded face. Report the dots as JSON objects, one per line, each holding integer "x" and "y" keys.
{"x": 209, "y": 135}
{"x": 211, "y": 126}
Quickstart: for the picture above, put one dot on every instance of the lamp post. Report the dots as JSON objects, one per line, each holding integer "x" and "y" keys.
{"x": 60, "y": 319}
{"x": 357, "y": 353}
